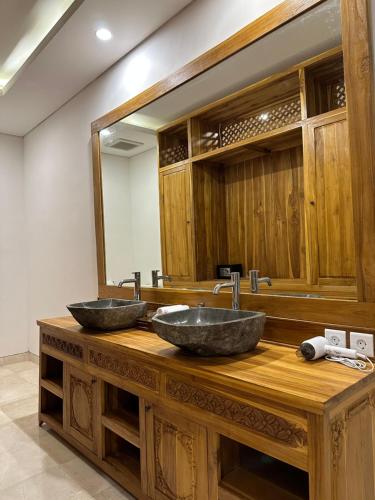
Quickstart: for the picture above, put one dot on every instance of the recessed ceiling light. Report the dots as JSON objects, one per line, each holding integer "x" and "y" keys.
{"x": 105, "y": 132}
{"x": 103, "y": 34}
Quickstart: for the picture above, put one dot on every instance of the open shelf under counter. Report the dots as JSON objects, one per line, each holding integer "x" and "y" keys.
{"x": 52, "y": 374}
{"x": 122, "y": 455}
{"x": 51, "y": 407}
{"x": 124, "y": 424}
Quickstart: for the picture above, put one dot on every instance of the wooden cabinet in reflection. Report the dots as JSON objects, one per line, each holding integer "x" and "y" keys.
{"x": 266, "y": 183}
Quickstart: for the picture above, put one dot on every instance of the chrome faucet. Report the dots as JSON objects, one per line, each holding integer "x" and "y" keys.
{"x": 234, "y": 284}
{"x": 255, "y": 280}
{"x": 137, "y": 285}
{"x": 156, "y": 278}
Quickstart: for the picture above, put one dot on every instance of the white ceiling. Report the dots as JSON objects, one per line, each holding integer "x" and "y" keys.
{"x": 74, "y": 56}
{"x": 25, "y": 26}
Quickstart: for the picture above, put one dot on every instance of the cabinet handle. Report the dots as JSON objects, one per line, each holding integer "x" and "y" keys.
{"x": 147, "y": 408}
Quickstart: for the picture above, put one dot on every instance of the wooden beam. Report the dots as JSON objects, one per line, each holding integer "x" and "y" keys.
{"x": 359, "y": 81}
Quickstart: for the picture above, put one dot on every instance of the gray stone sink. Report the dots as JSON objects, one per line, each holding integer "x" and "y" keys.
{"x": 108, "y": 314}
{"x": 210, "y": 331}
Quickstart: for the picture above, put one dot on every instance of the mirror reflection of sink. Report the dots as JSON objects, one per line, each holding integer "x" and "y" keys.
{"x": 210, "y": 331}
{"x": 108, "y": 314}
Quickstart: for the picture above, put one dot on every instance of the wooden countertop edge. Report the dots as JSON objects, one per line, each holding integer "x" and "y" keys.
{"x": 292, "y": 401}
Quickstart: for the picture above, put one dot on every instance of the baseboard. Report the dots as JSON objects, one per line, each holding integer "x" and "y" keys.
{"x": 33, "y": 357}
{"x": 18, "y": 358}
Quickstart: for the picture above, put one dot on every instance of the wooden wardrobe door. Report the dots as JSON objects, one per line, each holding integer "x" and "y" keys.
{"x": 329, "y": 202}
{"x": 176, "y": 224}
{"x": 176, "y": 457}
{"x": 81, "y": 412}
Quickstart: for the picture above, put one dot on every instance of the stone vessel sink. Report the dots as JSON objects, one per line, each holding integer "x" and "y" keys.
{"x": 108, "y": 314}
{"x": 210, "y": 331}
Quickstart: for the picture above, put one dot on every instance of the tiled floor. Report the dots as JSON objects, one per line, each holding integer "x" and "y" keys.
{"x": 34, "y": 463}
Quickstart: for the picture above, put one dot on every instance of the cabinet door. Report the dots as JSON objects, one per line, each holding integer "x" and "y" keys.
{"x": 176, "y": 224}
{"x": 80, "y": 390}
{"x": 329, "y": 206}
{"x": 176, "y": 457}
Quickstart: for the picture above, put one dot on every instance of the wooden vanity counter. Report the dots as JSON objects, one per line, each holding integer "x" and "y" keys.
{"x": 169, "y": 425}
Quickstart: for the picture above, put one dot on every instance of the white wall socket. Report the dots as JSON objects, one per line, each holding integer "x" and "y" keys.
{"x": 335, "y": 337}
{"x": 362, "y": 342}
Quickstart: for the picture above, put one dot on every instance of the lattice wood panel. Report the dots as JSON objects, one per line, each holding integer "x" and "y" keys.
{"x": 265, "y": 121}
{"x": 340, "y": 94}
{"x": 173, "y": 154}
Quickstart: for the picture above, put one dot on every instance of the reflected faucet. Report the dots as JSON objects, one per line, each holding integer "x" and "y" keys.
{"x": 137, "y": 284}
{"x": 156, "y": 278}
{"x": 255, "y": 280}
{"x": 234, "y": 284}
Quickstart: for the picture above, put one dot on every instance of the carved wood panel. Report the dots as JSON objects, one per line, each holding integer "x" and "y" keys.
{"x": 254, "y": 419}
{"x": 126, "y": 368}
{"x": 81, "y": 409}
{"x": 81, "y": 412}
{"x": 178, "y": 456}
{"x": 64, "y": 346}
{"x": 352, "y": 442}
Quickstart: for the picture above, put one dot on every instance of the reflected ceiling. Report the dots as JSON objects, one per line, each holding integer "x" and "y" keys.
{"x": 310, "y": 34}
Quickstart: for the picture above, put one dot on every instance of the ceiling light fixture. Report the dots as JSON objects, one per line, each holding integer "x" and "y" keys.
{"x": 103, "y": 34}
{"x": 105, "y": 132}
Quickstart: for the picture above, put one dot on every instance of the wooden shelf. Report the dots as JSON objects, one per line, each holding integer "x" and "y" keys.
{"x": 53, "y": 420}
{"x": 275, "y": 140}
{"x": 51, "y": 407}
{"x": 241, "y": 484}
{"x": 124, "y": 424}
{"x": 122, "y": 455}
{"x": 248, "y": 474}
{"x": 126, "y": 465}
{"x": 54, "y": 386}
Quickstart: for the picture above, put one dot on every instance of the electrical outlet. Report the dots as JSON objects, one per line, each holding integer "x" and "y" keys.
{"x": 335, "y": 337}
{"x": 362, "y": 342}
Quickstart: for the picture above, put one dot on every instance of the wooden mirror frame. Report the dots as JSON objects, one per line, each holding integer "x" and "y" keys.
{"x": 357, "y": 50}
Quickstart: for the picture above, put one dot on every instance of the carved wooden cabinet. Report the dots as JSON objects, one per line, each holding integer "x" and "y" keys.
{"x": 81, "y": 406}
{"x": 166, "y": 426}
{"x": 176, "y": 456}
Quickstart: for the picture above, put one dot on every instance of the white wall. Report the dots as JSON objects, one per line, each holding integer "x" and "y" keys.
{"x": 58, "y": 178}
{"x": 13, "y": 269}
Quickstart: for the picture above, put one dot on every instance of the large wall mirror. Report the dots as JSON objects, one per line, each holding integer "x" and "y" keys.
{"x": 244, "y": 167}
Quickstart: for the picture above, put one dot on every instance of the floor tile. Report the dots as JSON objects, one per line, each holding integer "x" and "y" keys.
{"x": 21, "y": 408}
{"x": 22, "y": 366}
{"x": 31, "y": 375}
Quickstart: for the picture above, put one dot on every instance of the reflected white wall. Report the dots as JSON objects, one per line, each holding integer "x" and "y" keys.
{"x": 131, "y": 215}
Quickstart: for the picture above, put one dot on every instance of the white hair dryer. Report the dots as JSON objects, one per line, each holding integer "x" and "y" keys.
{"x": 317, "y": 347}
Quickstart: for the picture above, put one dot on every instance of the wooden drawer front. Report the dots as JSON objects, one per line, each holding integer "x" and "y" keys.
{"x": 124, "y": 367}
{"x": 63, "y": 346}
{"x": 81, "y": 406}
{"x": 277, "y": 432}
